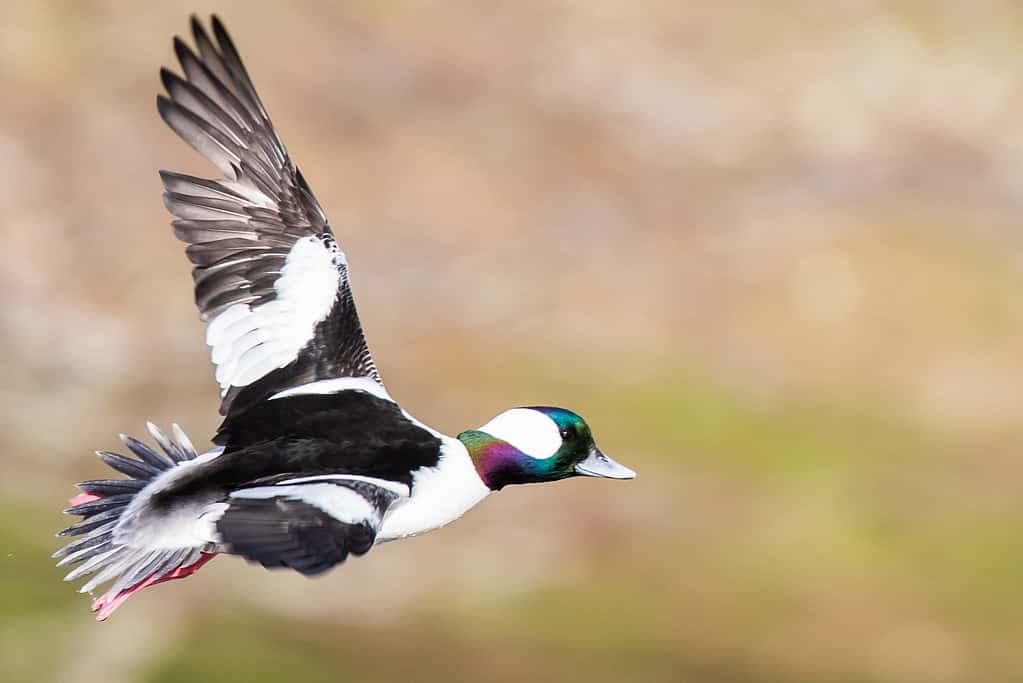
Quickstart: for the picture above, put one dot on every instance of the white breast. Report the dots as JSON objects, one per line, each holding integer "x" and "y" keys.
{"x": 440, "y": 495}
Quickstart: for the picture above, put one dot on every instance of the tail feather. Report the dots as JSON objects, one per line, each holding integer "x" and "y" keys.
{"x": 136, "y": 469}
{"x": 92, "y": 524}
{"x": 179, "y": 448}
{"x": 86, "y": 549}
{"x": 111, "y": 487}
{"x": 96, "y": 561}
{"x": 101, "y": 505}
{"x": 157, "y": 564}
{"x": 149, "y": 455}
{"x": 81, "y": 544}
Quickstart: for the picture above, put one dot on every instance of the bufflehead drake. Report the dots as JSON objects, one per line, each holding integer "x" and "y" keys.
{"x": 314, "y": 460}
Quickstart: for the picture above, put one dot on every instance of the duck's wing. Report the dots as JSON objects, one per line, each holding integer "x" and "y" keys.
{"x": 270, "y": 279}
{"x": 308, "y": 524}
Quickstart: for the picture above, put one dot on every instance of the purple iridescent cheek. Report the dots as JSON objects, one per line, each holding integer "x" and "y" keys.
{"x": 498, "y": 458}
{"x": 499, "y": 463}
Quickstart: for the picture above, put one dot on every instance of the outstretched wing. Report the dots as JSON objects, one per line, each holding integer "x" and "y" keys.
{"x": 270, "y": 279}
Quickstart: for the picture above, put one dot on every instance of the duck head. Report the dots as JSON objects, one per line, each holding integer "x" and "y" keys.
{"x": 536, "y": 444}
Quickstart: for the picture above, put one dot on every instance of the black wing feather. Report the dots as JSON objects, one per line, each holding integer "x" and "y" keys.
{"x": 285, "y": 531}
{"x": 240, "y": 229}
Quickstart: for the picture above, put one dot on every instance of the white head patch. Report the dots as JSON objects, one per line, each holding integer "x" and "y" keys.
{"x": 529, "y": 430}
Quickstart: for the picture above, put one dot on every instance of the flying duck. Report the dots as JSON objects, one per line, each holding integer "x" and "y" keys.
{"x": 314, "y": 461}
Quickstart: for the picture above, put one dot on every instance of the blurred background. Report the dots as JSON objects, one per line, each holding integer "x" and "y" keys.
{"x": 772, "y": 252}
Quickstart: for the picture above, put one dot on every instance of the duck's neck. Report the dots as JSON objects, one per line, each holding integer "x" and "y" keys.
{"x": 440, "y": 495}
{"x": 498, "y": 463}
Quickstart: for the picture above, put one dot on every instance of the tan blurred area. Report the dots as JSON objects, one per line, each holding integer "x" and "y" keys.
{"x": 773, "y": 253}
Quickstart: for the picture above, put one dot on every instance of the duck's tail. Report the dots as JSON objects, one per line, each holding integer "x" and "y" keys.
{"x": 107, "y": 545}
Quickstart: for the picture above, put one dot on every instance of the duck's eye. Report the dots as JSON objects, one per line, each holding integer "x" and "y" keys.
{"x": 568, "y": 433}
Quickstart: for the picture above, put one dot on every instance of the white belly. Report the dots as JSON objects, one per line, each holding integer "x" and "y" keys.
{"x": 440, "y": 495}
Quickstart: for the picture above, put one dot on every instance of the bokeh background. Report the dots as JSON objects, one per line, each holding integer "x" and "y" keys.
{"x": 773, "y": 252}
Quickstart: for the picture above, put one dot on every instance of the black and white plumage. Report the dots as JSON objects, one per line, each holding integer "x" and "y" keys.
{"x": 314, "y": 461}
{"x": 270, "y": 279}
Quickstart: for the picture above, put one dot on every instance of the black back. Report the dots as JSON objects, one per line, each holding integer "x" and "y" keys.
{"x": 351, "y": 432}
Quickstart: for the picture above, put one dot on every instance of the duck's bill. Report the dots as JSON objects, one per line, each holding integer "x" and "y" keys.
{"x": 597, "y": 464}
